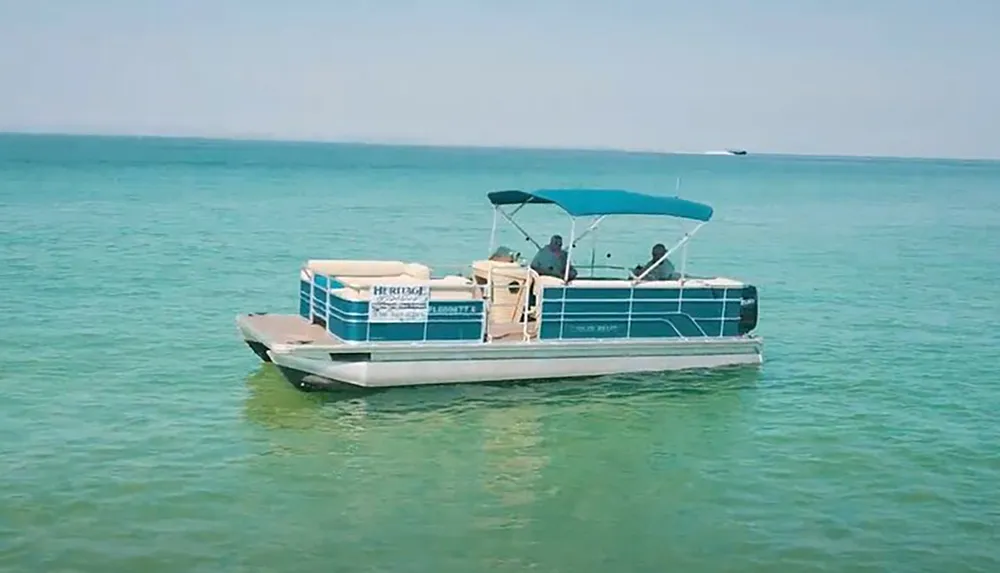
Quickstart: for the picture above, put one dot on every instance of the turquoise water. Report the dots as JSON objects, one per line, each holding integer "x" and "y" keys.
{"x": 138, "y": 433}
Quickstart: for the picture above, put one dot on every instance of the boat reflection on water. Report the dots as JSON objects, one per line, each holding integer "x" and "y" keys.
{"x": 514, "y": 455}
{"x": 280, "y": 406}
{"x": 492, "y": 457}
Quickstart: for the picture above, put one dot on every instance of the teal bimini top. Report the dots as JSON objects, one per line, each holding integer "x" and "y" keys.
{"x": 587, "y": 202}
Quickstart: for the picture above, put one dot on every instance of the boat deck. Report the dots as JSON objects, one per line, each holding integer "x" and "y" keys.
{"x": 288, "y": 329}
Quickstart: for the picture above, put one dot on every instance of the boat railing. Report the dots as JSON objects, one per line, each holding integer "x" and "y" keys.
{"x": 500, "y": 293}
{"x": 505, "y": 301}
{"x": 512, "y": 295}
{"x": 534, "y": 284}
{"x": 394, "y": 308}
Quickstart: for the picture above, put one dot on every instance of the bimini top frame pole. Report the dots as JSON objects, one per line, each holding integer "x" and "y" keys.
{"x": 681, "y": 243}
{"x": 510, "y": 219}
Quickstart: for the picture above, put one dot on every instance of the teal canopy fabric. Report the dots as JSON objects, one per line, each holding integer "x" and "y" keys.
{"x": 587, "y": 202}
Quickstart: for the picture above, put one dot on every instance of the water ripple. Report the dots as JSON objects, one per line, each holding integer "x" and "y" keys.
{"x": 138, "y": 434}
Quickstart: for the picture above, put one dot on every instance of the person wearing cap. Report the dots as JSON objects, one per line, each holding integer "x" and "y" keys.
{"x": 503, "y": 255}
{"x": 551, "y": 260}
{"x": 662, "y": 272}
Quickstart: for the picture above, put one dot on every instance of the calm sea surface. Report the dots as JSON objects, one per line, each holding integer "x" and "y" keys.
{"x": 138, "y": 433}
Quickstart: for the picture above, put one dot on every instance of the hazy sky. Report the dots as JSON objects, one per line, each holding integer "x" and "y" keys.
{"x": 884, "y": 77}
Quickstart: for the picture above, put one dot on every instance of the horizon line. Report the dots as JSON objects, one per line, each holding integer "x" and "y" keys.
{"x": 403, "y": 142}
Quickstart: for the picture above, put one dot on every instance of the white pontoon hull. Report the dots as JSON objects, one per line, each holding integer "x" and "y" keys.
{"x": 390, "y": 374}
{"x": 382, "y": 365}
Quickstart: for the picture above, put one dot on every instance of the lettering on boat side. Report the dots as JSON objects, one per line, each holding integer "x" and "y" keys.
{"x": 399, "y": 303}
{"x": 387, "y": 291}
{"x": 594, "y": 328}
{"x": 454, "y": 310}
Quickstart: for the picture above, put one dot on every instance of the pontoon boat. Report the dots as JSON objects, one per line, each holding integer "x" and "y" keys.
{"x": 382, "y": 323}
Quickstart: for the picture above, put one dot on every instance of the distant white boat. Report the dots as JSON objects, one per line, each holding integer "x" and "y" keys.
{"x": 727, "y": 152}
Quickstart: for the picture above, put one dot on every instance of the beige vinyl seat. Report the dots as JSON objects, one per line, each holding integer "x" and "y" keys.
{"x": 508, "y": 283}
{"x": 360, "y": 271}
{"x": 509, "y": 297}
{"x": 358, "y": 276}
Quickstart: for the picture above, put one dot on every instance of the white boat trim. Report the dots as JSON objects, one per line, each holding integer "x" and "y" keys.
{"x": 380, "y": 374}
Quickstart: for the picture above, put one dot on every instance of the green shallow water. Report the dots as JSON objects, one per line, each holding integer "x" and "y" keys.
{"x": 138, "y": 433}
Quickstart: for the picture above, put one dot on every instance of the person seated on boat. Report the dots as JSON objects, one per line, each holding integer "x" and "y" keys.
{"x": 503, "y": 255}
{"x": 662, "y": 272}
{"x": 551, "y": 260}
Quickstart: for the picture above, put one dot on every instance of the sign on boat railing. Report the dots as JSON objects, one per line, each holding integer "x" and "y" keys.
{"x": 399, "y": 303}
